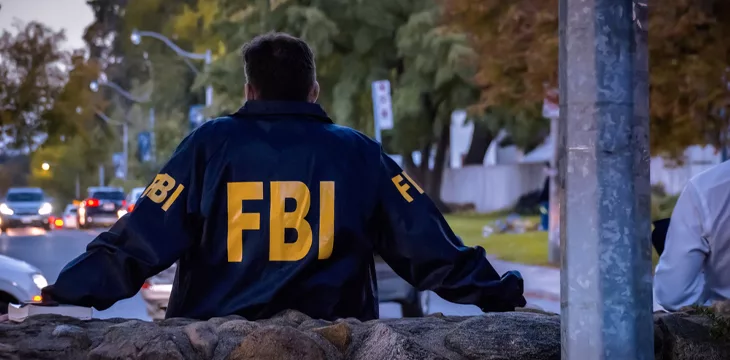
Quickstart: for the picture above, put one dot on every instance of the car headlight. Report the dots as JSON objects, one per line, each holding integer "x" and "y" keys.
{"x": 5, "y": 210}
{"x": 45, "y": 209}
{"x": 40, "y": 281}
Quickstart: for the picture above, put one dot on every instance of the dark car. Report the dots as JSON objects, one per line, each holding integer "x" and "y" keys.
{"x": 103, "y": 207}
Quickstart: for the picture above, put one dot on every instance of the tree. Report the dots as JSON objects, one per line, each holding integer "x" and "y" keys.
{"x": 688, "y": 51}
{"x": 436, "y": 80}
{"x": 32, "y": 71}
{"x": 689, "y": 46}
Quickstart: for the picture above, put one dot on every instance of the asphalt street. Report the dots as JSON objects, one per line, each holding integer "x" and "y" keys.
{"x": 51, "y": 251}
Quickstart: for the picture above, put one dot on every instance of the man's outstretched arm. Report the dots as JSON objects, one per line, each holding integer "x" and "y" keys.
{"x": 679, "y": 280}
{"x": 419, "y": 245}
{"x": 162, "y": 226}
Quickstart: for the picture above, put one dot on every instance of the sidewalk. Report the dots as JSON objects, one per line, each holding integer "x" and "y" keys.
{"x": 542, "y": 284}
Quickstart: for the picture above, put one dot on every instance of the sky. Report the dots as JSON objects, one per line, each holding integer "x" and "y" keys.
{"x": 70, "y": 15}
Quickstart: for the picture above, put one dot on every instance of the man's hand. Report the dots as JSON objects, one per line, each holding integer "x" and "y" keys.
{"x": 514, "y": 289}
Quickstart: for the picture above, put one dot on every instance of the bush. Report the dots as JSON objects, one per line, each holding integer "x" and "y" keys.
{"x": 528, "y": 204}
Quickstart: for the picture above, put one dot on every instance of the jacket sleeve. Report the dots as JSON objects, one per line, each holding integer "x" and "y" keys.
{"x": 417, "y": 242}
{"x": 163, "y": 225}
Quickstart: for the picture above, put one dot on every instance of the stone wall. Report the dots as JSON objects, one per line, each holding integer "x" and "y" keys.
{"x": 522, "y": 335}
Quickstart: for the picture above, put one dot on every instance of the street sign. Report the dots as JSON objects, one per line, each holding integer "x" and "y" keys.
{"x": 382, "y": 105}
{"x": 118, "y": 160}
{"x": 144, "y": 146}
{"x": 196, "y": 116}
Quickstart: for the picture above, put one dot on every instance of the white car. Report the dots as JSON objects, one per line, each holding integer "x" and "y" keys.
{"x": 19, "y": 282}
{"x": 133, "y": 196}
{"x": 70, "y": 217}
{"x": 156, "y": 292}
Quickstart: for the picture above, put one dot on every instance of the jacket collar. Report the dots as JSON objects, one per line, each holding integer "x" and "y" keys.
{"x": 278, "y": 108}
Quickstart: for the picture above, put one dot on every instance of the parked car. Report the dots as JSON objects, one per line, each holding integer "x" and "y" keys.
{"x": 70, "y": 216}
{"x": 102, "y": 207}
{"x": 391, "y": 288}
{"x": 19, "y": 281}
{"x": 133, "y": 196}
{"x": 25, "y": 207}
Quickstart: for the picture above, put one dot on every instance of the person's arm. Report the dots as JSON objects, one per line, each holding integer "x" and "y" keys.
{"x": 419, "y": 245}
{"x": 163, "y": 224}
{"x": 679, "y": 280}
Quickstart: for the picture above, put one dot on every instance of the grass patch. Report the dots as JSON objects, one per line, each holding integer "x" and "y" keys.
{"x": 529, "y": 248}
{"x": 526, "y": 248}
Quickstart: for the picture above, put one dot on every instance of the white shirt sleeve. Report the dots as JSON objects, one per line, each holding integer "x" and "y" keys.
{"x": 679, "y": 280}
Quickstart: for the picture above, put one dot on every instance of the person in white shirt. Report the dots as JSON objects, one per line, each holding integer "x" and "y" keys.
{"x": 694, "y": 268}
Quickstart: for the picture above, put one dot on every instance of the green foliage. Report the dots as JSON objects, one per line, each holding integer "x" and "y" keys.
{"x": 31, "y": 68}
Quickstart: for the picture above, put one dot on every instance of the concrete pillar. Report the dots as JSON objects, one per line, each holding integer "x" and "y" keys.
{"x": 606, "y": 297}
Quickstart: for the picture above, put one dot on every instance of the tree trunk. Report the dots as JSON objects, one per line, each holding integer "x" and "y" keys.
{"x": 436, "y": 178}
{"x": 481, "y": 138}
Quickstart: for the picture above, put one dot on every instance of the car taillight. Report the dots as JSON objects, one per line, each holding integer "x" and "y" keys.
{"x": 146, "y": 285}
{"x": 58, "y": 222}
{"x": 124, "y": 203}
{"x": 130, "y": 208}
{"x": 91, "y": 203}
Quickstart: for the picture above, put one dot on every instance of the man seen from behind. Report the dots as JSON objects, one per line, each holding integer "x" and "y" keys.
{"x": 275, "y": 207}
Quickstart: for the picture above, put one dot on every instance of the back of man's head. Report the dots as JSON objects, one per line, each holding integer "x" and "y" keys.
{"x": 279, "y": 67}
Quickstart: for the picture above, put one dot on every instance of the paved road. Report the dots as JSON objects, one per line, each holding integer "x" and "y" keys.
{"x": 51, "y": 251}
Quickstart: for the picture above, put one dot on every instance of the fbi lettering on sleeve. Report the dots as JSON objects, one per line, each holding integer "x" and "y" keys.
{"x": 240, "y": 220}
{"x": 159, "y": 190}
{"x": 403, "y": 185}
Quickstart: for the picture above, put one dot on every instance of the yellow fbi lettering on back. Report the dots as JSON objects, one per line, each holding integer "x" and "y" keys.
{"x": 403, "y": 186}
{"x": 240, "y": 220}
{"x": 160, "y": 188}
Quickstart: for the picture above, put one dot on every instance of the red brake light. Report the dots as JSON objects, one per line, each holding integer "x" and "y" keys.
{"x": 124, "y": 203}
{"x": 146, "y": 285}
{"x": 130, "y": 208}
{"x": 91, "y": 203}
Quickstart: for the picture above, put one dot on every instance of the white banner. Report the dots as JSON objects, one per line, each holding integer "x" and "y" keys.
{"x": 382, "y": 106}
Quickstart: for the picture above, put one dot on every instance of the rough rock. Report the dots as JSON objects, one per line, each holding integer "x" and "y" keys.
{"x": 695, "y": 334}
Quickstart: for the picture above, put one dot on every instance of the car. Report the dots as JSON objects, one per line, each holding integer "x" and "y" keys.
{"x": 133, "y": 196}
{"x": 391, "y": 288}
{"x": 19, "y": 282}
{"x": 25, "y": 207}
{"x": 156, "y": 292}
{"x": 70, "y": 216}
{"x": 103, "y": 207}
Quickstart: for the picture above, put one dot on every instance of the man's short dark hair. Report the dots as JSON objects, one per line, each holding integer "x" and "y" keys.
{"x": 280, "y": 67}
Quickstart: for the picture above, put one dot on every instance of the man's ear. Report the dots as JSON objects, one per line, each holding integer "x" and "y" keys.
{"x": 314, "y": 93}
{"x": 250, "y": 92}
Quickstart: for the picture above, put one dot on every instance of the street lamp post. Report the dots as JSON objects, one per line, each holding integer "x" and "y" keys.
{"x": 103, "y": 81}
{"x": 207, "y": 56}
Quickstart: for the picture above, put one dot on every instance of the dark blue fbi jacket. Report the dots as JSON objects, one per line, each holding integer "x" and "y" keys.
{"x": 274, "y": 208}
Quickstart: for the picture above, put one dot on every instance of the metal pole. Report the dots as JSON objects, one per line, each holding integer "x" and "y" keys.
{"x": 554, "y": 200}
{"x": 209, "y": 88}
{"x": 152, "y": 136}
{"x": 606, "y": 295}
{"x": 78, "y": 187}
{"x": 101, "y": 175}
{"x": 125, "y": 151}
